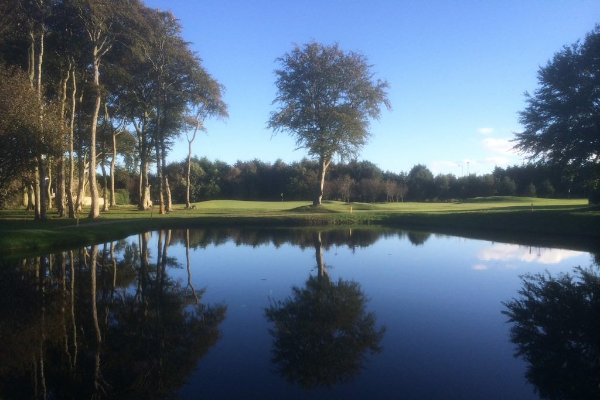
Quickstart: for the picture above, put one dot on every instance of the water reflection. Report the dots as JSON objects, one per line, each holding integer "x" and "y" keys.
{"x": 101, "y": 322}
{"x": 303, "y": 238}
{"x": 510, "y": 252}
{"x": 322, "y": 332}
{"x": 418, "y": 238}
{"x": 556, "y": 329}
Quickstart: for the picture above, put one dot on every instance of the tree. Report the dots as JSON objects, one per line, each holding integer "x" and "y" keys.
{"x": 97, "y": 17}
{"x": 206, "y": 103}
{"x": 420, "y": 182}
{"x": 546, "y": 189}
{"x": 327, "y": 98}
{"x": 529, "y": 190}
{"x": 342, "y": 187}
{"x": 562, "y": 117}
{"x": 24, "y": 139}
{"x": 507, "y": 187}
{"x": 370, "y": 189}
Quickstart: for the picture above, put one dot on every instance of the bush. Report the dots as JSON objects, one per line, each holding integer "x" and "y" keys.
{"x": 122, "y": 197}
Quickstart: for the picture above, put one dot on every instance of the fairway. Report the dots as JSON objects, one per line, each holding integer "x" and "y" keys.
{"x": 238, "y": 208}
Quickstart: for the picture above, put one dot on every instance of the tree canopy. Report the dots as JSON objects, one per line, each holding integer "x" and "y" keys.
{"x": 326, "y": 99}
{"x": 562, "y": 117}
{"x": 24, "y": 133}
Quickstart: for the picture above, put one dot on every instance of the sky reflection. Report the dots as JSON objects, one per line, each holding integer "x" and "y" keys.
{"x": 527, "y": 254}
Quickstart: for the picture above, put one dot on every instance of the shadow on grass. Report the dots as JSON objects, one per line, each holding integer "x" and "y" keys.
{"x": 313, "y": 209}
{"x": 537, "y": 207}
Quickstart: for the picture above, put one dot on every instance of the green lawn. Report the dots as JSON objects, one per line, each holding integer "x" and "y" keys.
{"x": 563, "y": 220}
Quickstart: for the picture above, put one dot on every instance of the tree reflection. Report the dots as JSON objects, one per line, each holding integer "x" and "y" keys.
{"x": 352, "y": 238}
{"x": 322, "y": 332}
{"x": 418, "y": 238}
{"x": 100, "y": 323}
{"x": 556, "y": 329}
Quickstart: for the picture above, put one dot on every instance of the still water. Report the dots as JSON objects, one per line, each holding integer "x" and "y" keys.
{"x": 296, "y": 314}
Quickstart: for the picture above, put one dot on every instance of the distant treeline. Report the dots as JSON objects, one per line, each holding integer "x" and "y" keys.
{"x": 357, "y": 181}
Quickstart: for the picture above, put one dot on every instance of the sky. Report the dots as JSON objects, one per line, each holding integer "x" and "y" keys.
{"x": 457, "y": 71}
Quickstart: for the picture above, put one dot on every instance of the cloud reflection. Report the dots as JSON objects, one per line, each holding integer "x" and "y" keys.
{"x": 511, "y": 252}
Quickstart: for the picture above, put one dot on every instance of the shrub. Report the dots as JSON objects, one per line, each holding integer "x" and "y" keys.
{"x": 122, "y": 197}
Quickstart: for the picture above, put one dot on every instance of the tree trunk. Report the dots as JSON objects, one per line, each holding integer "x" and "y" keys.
{"x": 168, "y": 195}
{"x": 60, "y": 166}
{"x": 37, "y": 191}
{"x": 189, "y": 165}
{"x": 187, "y": 178}
{"x": 166, "y": 188}
{"x": 161, "y": 199}
{"x": 95, "y": 207}
{"x": 43, "y": 192}
{"x": 105, "y": 188}
{"x": 69, "y": 188}
{"x": 145, "y": 200}
{"x": 48, "y": 183}
{"x": 30, "y": 197}
{"x": 81, "y": 160}
{"x": 113, "y": 161}
{"x": 141, "y": 186}
{"x": 144, "y": 150}
{"x": 323, "y": 165}
{"x": 159, "y": 157}
{"x": 60, "y": 187}
{"x": 24, "y": 194}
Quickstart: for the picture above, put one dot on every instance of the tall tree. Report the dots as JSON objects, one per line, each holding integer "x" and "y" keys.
{"x": 562, "y": 117}
{"x": 23, "y": 138}
{"x": 180, "y": 83}
{"x": 206, "y": 103}
{"x": 327, "y": 98}
{"x": 96, "y": 18}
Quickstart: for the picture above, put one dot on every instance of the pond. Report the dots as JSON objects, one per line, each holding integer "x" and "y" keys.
{"x": 270, "y": 314}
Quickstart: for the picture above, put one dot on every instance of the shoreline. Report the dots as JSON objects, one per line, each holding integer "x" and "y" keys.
{"x": 574, "y": 228}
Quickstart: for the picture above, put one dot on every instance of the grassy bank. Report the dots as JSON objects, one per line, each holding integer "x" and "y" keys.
{"x": 548, "y": 221}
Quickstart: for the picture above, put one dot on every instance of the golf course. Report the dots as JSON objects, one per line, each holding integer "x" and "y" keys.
{"x": 537, "y": 221}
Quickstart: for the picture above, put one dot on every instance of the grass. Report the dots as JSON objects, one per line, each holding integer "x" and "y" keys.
{"x": 540, "y": 220}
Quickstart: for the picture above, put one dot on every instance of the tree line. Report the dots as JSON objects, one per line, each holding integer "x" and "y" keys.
{"x": 354, "y": 181}
{"x": 85, "y": 83}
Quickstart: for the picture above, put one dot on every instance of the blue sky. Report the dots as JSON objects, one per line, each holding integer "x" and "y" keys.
{"x": 457, "y": 71}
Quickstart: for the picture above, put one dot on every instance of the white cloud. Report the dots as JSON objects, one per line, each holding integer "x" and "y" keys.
{"x": 480, "y": 267}
{"x": 510, "y": 252}
{"x": 485, "y": 131}
{"x": 499, "y": 146}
